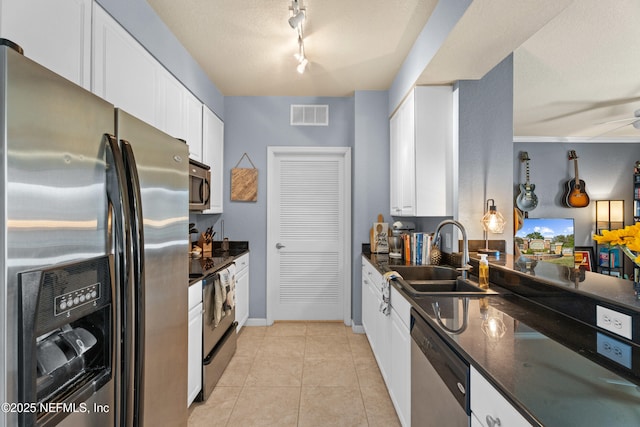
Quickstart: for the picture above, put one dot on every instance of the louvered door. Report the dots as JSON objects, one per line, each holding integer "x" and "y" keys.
{"x": 309, "y": 234}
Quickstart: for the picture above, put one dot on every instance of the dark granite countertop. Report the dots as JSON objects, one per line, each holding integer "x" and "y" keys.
{"x": 201, "y": 267}
{"x": 552, "y": 367}
{"x": 602, "y": 287}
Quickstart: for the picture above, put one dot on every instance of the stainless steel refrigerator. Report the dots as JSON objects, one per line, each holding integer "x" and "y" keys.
{"x": 93, "y": 250}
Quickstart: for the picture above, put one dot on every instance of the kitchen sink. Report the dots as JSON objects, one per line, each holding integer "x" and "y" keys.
{"x": 425, "y": 272}
{"x": 457, "y": 287}
{"x": 436, "y": 280}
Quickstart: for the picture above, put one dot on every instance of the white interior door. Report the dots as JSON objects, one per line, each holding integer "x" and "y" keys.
{"x": 308, "y": 237}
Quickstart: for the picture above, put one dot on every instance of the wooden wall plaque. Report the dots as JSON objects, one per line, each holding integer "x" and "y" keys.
{"x": 244, "y": 182}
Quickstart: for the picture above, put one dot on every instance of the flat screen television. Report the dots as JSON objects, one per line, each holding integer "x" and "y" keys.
{"x": 547, "y": 239}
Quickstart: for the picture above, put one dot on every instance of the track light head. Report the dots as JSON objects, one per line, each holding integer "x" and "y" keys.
{"x": 297, "y": 19}
{"x": 302, "y": 65}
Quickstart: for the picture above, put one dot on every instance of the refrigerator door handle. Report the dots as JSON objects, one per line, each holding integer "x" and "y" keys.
{"x": 138, "y": 291}
{"x": 118, "y": 200}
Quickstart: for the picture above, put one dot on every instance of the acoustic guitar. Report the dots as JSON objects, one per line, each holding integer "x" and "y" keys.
{"x": 527, "y": 199}
{"x": 575, "y": 195}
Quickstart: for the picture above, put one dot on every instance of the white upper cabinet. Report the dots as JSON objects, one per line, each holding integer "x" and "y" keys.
{"x": 55, "y": 34}
{"x": 213, "y": 156}
{"x": 422, "y": 153}
{"x": 170, "y": 107}
{"x": 193, "y": 123}
{"x": 124, "y": 73}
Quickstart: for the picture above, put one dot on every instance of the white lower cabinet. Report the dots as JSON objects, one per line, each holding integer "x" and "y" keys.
{"x": 489, "y": 408}
{"x": 194, "y": 351}
{"x": 400, "y": 378}
{"x": 389, "y": 338}
{"x": 242, "y": 290}
{"x": 475, "y": 422}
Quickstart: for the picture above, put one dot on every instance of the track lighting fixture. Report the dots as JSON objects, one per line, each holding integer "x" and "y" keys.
{"x": 302, "y": 65}
{"x": 297, "y": 18}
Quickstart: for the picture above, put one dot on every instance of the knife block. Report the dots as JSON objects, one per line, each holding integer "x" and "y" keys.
{"x": 206, "y": 245}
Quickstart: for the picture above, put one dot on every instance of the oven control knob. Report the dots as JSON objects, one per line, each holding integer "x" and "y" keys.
{"x": 63, "y": 305}
{"x": 76, "y": 300}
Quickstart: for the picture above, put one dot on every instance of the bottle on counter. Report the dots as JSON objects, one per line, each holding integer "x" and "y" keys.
{"x": 483, "y": 273}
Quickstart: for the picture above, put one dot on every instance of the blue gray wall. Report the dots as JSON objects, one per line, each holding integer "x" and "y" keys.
{"x": 141, "y": 21}
{"x": 251, "y": 125}
{"x": 486, "y": 149}
{"x": 606, "y": 168}
{"x": 370, "y": 194}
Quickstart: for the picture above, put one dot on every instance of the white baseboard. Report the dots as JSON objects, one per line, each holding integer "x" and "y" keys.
{"x": 357, "y": 329}
{"x": 256, "y": 322}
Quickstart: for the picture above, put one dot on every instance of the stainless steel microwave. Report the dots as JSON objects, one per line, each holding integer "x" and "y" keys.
{"x": 199, "y": 186}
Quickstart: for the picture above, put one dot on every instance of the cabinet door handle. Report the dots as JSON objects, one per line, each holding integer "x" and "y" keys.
{"x": 492, "y": 422}
{"x": 279, "y": 246}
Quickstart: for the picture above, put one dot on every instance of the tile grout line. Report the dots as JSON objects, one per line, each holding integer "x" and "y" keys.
{"x": 244, "y": 383}
{"x": 304, "y": 357}
{"x": 366, "y": 414}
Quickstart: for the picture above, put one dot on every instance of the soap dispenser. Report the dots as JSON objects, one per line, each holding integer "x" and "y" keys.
{"x": 483, "y": 273}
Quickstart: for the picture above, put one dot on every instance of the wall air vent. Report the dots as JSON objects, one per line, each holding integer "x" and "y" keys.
{"x": 309, "y": 115}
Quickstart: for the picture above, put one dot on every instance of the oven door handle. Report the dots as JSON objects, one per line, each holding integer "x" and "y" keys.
{"x": 232, "y": 329}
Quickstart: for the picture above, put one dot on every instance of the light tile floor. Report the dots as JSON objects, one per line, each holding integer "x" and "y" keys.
{"x": 299, "y": 374}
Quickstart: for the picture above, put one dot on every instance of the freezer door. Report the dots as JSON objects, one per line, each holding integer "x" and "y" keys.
{"x": 162, "y": 172}
{"x": 53, "y": 193}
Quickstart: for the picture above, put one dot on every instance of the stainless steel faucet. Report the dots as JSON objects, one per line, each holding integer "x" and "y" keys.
{"x": 465, "y": 244}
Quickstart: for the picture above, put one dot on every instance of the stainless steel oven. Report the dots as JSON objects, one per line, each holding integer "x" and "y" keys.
{"x": 199, "y": 186}
{"x": 218, "y": 327}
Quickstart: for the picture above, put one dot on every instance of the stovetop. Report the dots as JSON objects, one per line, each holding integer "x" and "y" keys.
{"x": 199, "y": 268}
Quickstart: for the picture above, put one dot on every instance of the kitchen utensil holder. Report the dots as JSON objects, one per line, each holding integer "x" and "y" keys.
{"x": 206, "y": 245}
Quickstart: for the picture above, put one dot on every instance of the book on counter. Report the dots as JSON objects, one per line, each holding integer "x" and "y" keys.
{"x": 420, "y": 248}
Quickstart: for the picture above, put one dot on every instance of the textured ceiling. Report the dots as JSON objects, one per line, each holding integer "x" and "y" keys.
{"x": 247, "y": 47}
{"x": 582, "y": 68}
{"x": 579, "y": 71}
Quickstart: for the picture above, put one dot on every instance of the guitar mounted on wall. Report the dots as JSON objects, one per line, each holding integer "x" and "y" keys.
{"x": 575, "y": 195}
{"x": 527, "y": 199}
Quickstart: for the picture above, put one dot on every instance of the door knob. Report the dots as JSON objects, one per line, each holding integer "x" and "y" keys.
{"x": 279, "y": 246}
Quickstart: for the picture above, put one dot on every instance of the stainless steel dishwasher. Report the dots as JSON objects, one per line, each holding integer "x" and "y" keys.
{"x": 439, "y": 379}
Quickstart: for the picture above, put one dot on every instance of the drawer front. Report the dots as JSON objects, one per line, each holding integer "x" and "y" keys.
{"x": 372, "y": 276}
{"x": 489, "y": 406}
{"x": 401, "y": 306}
{"x": 242, "y": 262}
{"x": 195, "y": 294}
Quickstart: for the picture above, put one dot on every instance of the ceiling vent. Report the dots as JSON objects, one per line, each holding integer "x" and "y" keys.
{"x": 309, "y": 115}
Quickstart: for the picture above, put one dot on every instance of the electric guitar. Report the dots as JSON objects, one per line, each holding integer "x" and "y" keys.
{"x": 527, "y": 199}
{"x": 575, "y": 195}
